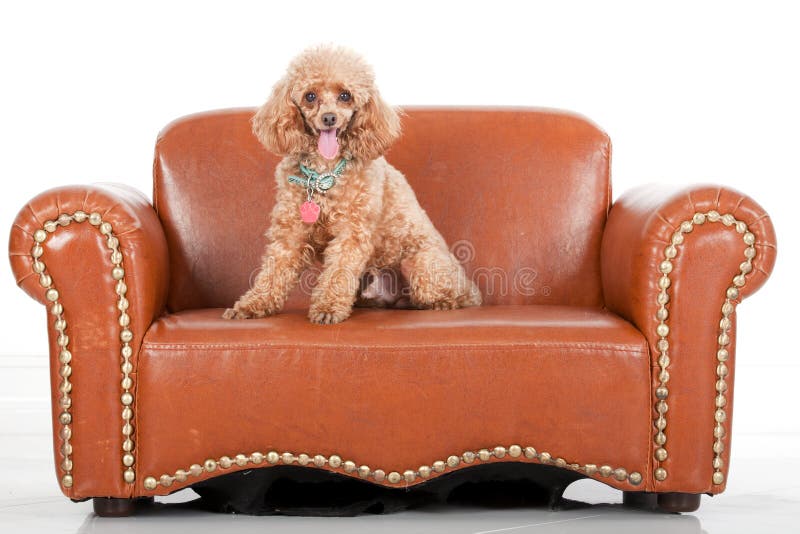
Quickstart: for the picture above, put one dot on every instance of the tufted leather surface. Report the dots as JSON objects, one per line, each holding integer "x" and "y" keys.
{"x": 395, "y": 389}
{"x": 535, "y": 180}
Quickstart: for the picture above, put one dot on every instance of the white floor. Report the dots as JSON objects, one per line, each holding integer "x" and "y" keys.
{"x": 762, "y": 495}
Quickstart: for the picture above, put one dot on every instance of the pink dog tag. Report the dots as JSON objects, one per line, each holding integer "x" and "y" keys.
{"x": 309, "y": 212}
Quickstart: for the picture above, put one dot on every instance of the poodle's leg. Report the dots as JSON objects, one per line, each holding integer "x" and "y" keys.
{"x": 437, "y": 281}
{"x": 469, "y": 295}
{"x": 337, "y": 287}
{"x": 283, "y": 260}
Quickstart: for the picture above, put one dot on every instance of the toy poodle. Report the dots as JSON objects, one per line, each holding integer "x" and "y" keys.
{"x": 339, "y": 201}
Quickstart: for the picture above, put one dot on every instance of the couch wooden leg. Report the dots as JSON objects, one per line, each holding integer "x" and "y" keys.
{"x": 112, "y": 507}
{"x": 641, "y": 500}
{"x": 678, "y": 502}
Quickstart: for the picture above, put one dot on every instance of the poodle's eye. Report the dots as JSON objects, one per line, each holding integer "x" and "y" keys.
{"x": 345, "y": 96}
{"x": 311, "y": 96}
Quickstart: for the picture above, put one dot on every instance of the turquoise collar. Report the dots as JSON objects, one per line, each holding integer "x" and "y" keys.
{"x": 319, "y": 182}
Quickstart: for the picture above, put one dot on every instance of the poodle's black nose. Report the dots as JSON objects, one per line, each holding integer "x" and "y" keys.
{"x": 329, "y": 119}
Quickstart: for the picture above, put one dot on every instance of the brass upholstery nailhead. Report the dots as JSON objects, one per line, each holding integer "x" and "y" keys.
{"x": 723, "y": 339}
{"x": 65, "y": 356}
{"x": 126, "y": 336}
{"x": 393, "y": 477}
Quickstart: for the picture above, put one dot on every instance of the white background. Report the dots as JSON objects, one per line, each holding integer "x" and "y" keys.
{"x": 688, "y": 91}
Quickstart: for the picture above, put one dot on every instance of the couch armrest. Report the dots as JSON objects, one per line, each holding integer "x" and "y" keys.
{"x": 96, "y": 256}
{"x": 675, "y": 262}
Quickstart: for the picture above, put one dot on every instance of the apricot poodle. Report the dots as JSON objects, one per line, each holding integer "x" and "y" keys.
{"x": 339, "y": 201}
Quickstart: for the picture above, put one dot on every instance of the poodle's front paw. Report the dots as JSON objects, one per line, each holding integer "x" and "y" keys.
{"x": 445, "y": 305}
{"x": 248, "y": 309}
{"x": 234, "y": 313}
{"x": 442, "y": 303}
{"x": 324, "y": 315}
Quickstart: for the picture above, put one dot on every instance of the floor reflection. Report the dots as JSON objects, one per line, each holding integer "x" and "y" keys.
{"x": 598, "y": 518}
{"x": 757, "y": 500}
{"x": 503, "y": 498}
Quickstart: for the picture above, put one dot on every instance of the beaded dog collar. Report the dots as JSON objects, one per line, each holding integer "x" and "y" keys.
{"x": 315, "y": 182}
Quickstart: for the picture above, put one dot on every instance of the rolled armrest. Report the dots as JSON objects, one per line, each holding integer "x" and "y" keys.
{"x": 675, "y": 262}
{"x": 96, "y": 256}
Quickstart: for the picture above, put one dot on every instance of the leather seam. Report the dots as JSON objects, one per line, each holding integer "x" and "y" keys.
{"x": 24, "y": 231}
{"x": 414, "y": 348}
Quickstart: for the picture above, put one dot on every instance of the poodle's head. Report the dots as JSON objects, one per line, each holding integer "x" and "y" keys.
{"x": 327, "y": 102}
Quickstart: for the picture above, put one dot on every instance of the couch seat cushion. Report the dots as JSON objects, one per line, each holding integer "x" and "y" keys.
{"x": 394, "y": 389}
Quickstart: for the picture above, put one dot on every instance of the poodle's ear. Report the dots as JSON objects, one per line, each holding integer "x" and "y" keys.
{"x": 375, "y": 127}
{"x": 278, "y": 124}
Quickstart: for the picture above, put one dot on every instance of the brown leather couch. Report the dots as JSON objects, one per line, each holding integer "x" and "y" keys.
{"x": 605, "y": 345}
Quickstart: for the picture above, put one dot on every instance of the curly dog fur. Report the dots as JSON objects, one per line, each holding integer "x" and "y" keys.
{"x": 370, "y": 219}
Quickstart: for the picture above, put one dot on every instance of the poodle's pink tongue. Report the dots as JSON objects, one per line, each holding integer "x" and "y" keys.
{"x": 328, "y": 144}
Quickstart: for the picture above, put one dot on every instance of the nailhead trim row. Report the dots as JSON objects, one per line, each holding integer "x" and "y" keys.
{"x": 379, "y": 475}
{"x": 65, "y": 356}
{"x": 126, "y": 335}
{"x": 725, "y": 324}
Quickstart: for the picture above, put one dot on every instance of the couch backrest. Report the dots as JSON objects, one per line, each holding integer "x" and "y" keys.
{"x": 520, "y": 195}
